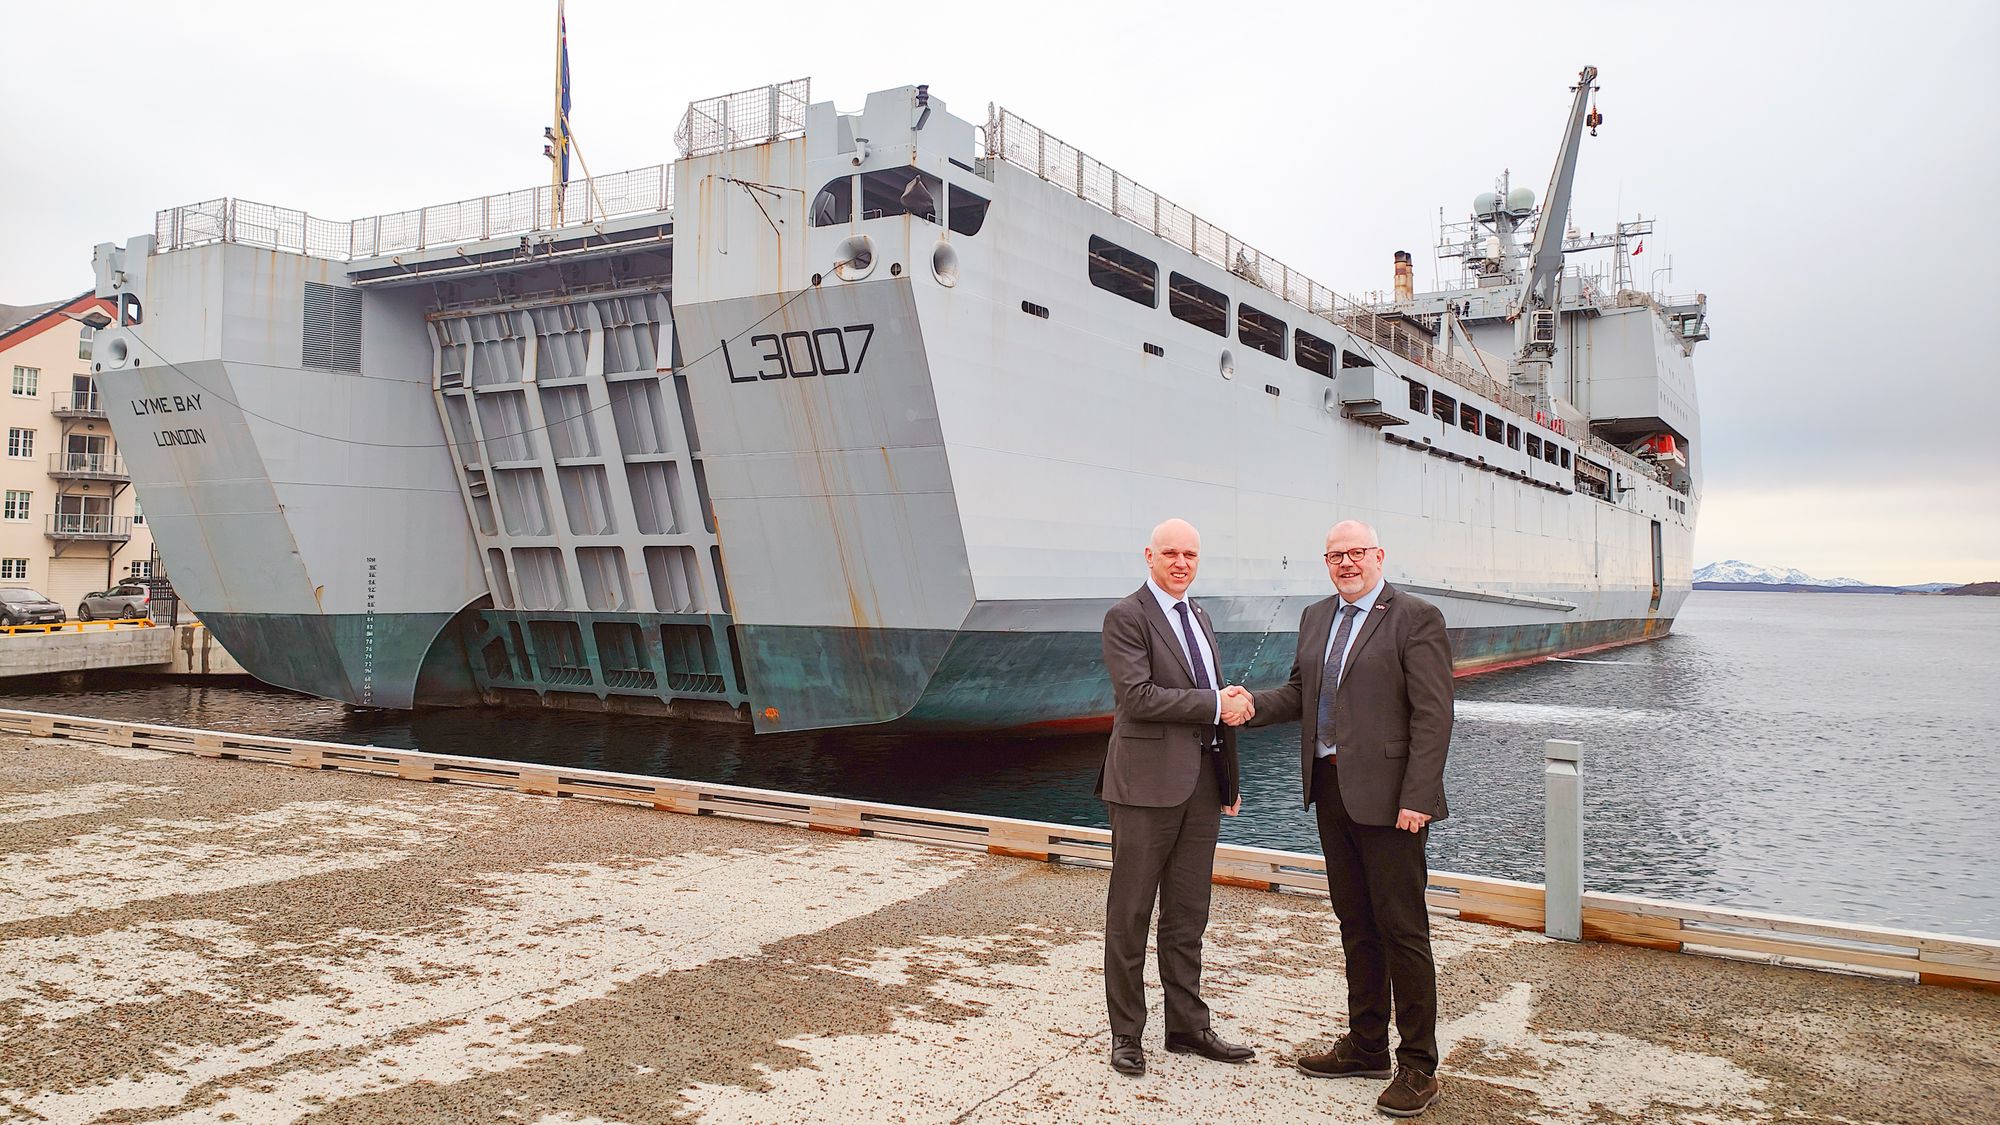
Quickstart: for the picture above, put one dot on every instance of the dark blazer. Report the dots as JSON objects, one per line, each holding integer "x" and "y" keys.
{"x": 1393, "y": 711}
{"x": 1161, "y": 720}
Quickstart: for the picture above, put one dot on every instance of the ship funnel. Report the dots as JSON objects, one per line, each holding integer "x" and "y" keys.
{"x": 1406, "y": 282}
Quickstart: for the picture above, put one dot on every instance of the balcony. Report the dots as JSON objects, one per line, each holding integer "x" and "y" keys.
{"x": 88, "y": 466}
{"x": 90, "y": 525}
{"x": 77, "y": 404}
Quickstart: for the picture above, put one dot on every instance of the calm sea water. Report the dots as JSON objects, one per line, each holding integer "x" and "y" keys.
{"x": 1836, "y": 756}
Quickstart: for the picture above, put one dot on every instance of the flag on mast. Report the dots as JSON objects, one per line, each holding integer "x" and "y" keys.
{"x": 562, "y": 91}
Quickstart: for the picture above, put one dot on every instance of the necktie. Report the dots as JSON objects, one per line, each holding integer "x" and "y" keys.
{"x": 1329, "y": 677}
{"x": 1194, "y": 650}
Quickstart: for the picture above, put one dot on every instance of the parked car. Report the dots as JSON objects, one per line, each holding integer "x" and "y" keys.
{"x": 127, "y": 599}
{"x": 22, "y": 606}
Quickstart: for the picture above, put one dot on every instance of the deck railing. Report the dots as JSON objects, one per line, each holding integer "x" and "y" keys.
{"x": 244, "y": 221}
{"x": 756, "y": 116}
{"x": 1026, "y": 146}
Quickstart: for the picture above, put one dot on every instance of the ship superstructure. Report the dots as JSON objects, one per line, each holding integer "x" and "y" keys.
{"x": 854, "y": 418}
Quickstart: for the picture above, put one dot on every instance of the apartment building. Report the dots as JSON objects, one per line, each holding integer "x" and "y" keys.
{"x": 70, "y": 523}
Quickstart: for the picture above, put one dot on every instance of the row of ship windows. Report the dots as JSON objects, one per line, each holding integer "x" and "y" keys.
{"x": 1467, "y": 417}
{"x": 1136, "y": 278}
{"x": 899, "y": 191}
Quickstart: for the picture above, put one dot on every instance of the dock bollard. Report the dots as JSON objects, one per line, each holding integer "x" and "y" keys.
{"x": 1562, "y": 840}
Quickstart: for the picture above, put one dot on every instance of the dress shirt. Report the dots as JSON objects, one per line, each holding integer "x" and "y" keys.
{"x": 1167, "y": 601}
{"x": 1367, "y": 604}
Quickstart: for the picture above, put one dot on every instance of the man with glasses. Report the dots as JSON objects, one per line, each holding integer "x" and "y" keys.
{"x": 1371, "y": 691}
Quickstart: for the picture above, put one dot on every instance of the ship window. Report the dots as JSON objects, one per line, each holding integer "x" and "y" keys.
{"x": 1314, "y": 354}
{"x": 1355, "y": 359}
{"x": 834, "y": 205}
{"x": 1260, "y": 330}
{"x": 1496, "y": 429}
{"x": 901, "y": 191}
{"x": 1565, "y": 458}
{"x": 1534, "y": 447}
{"x": 1197, "y": 304}
{"x": 1443, "y": 407}
{"x": 1468, "y": 419}
{"x": 1420, "y": 396}
{"x": 968, "y": 211}
{"x": 1120, "y": 271}
{"x": 1552, "y": 453}
{"x": 1033, "y": 309}
{"x": 1513, "y": 437}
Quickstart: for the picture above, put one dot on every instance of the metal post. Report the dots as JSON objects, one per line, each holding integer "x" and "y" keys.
{"x": 1562, "y": 840}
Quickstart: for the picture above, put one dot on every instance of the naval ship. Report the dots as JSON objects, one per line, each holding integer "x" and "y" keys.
{"x": 856, "y": 418}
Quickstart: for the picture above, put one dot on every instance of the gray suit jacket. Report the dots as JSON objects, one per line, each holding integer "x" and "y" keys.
{"x": 1161, "y": 720}
{"x": 1392, "y": 713}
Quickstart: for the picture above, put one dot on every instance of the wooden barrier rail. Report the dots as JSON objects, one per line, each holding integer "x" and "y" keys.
{"x": 1929, "y": 958}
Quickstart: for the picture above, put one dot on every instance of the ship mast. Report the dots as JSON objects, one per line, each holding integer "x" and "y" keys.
{"x": 1535, "y": 309}
{"x": 557, "y": 150}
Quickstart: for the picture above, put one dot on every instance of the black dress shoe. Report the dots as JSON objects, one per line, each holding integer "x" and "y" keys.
{"x": 1127, "y": 1057}
{"x": 1208, "y": 1045}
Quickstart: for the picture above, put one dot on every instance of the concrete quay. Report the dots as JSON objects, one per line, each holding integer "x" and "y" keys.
{"x": 184, "y": 939}
{"x": 176, "y": 650}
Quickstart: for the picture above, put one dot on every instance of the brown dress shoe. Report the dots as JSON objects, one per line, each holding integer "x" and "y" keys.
{"x": 1208, "y": 1045}
{"x": 1346, "y": 1060}
{"x": 1127, "y": 1057}
{"x": 1410, "y": 1094}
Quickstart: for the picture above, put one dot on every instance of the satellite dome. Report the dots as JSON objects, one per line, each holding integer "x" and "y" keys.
{"x": 1520, "y": 202}
{"x": 1485, "y": 205}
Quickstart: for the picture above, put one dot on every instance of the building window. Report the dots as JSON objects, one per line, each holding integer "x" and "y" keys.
{"x": 16, "y": 507}
{"x": 142, "y": 568}
{"x": 20, "y": 442}
{"x": 1197, "y": 304}
{"x": 84, "y": 340}
{"x": 1120, "y": 271}
{"x": 16, "y": 569}
{"x": 27, "y": 382}
{"x": 1314, "y": 354}
{"x": 1260, "y": 330}
{"x": 138, "y": 514}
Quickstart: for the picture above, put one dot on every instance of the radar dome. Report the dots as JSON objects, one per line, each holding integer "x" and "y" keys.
{"x": 1520, "y": 202}
{"x": 1485, "y": 205}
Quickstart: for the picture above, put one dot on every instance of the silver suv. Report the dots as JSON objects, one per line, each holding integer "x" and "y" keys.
{"x": 125, "y": 600}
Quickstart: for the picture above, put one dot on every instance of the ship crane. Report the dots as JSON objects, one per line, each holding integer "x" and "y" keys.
{"x": 1535, "y": 309}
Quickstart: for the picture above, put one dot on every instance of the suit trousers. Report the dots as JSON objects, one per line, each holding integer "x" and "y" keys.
{"x": 1166, "y": 854}
{"x": 1377, "y": 876}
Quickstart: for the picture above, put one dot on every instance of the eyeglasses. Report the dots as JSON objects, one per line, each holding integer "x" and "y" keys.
{"x": 1354, "y": 554}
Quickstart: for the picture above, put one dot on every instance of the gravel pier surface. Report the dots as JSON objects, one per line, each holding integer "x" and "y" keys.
{"x": 191, "y": 940}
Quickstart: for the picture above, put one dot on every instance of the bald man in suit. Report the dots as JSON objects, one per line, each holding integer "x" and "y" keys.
{"x": 1371, "y": 689}
{"x": 1169, "y": 776}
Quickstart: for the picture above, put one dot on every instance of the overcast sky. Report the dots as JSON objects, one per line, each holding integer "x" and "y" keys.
{"x": 1825, "y": 173}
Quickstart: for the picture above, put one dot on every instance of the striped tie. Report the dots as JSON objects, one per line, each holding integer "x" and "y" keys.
{"x": 1329, "y": 677}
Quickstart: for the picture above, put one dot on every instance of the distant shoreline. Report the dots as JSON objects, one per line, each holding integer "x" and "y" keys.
{"x": 1974, "y": 589}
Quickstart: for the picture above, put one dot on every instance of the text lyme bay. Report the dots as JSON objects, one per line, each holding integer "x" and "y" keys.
{"x": 172, "y": 404}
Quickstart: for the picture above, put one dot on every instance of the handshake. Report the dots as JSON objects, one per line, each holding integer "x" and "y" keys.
{"x": 1237, "y": 706}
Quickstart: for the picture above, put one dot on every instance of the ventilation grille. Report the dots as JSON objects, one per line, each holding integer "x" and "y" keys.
{"x": 332, "y": 337}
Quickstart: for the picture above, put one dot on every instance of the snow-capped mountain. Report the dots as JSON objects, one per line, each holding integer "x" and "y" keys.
{"x": 1734, "y": 570}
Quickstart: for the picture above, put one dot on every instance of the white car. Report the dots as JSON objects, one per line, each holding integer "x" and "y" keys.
{"x": 125, "y": 600}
